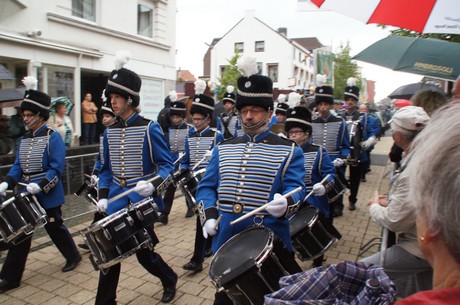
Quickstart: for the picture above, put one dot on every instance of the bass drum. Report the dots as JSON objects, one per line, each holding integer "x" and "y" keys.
{"x": 249, "y": 265}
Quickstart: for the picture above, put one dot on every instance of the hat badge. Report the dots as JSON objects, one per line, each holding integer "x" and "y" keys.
{"x": 115, "y": 76}
{"x": 349, "y": 90}
{"x": 197, "y": 99}
{"x": 321, "y": 90}
{"x": 293, "y": 112}
{"x": 27, "y": 96}
{"x": 247, "y": 84}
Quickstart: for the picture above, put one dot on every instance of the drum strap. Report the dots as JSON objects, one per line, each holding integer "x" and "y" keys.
{"x": 150, "y": 146}
{"x": 288, "y": 161}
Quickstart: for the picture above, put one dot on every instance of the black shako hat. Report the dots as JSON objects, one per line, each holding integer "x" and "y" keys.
{"x": 122, "y": 81}
{"x": 34, "y": 100}
{"x": 229, "y": 96}
{"x": 298, "y": 117}
{"x": 351, "y": 90}
{"x": 281, "y": 108}
{"x": 253, "y": 89}
{"x": 323, "y": 93}
{"x": 202, "y": 103}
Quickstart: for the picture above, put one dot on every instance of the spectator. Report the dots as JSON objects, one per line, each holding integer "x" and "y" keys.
{"x": 89, "y": 119}
{"x": 62, "y": 123}
{"x": 429, "y": 100}
{"x": 6, "y": 142}
{"x": 163, "y": 117}
{"x": 17, "y": 128}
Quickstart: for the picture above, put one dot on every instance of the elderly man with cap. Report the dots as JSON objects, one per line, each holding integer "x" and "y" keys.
{"x": 397, "y": 213}
{"x": 363, "y": 130}
{"x": 134, "y": 152}
{"x": 40, "y": 162}
{"x": 227, "y": 121}
{"x": 330, "y": 132}
{"x": 245, "y": 173}
{"x": 198, "y": 147}
{"x": 176, "y": 137}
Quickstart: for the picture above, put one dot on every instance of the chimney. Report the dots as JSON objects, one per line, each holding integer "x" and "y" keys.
{"x": 283, "y": 31}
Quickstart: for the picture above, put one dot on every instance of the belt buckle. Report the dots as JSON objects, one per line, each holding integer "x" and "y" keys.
{"x": 123, "y": 182}
{"x": 237, "y": 208}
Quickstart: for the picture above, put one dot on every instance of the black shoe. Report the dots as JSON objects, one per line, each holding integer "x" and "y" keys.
{"x": 192, "y": 266}
{"x": 5, "y": 285}
{"x": 338, "y": 213}
{"x": 189, "y": 213}
{"x": 83, "y": 246}
{"x": 208, "y": 253}
{"x": 70, "y": 265}
{"x": 363, "y": 180}
{"x": 169, "y": 292}
{"x": 352, "y": 206}
{"x": 163, "y": 218}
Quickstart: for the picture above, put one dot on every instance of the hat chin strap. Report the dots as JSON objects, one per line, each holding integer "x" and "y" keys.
{"x": 128, "y": 103}
{"x": 258, "y": 125}
{"x": 31, "y": 122}
{"x": 202, "y": 122}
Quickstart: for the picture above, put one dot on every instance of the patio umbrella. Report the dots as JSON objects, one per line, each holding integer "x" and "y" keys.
{"x": 11, "y": 97}
{"x": 407, "y": 91}
{"x": 430, "y": 57}
{"x": 428, "y": 16}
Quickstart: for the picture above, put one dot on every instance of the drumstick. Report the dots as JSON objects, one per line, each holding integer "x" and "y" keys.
{"x": 179, "y": 157}
{"x": 198, "y": 164}
{"x": 322, "y": 182}
{"x": 263, "y": 207}
{"x": 23, "y": 184}
{"x": 121, "y": 195}
{"x": 218, "y": 221}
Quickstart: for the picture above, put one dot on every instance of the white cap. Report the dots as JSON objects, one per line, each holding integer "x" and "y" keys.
{"x": 411, "y": 118}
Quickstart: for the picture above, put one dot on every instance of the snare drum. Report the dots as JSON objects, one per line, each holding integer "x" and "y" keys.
{"x": 249, "y": 265}
{"x": 337, "y": 189}
{"x": 144, "y": 213}
{"x": 309, "y": 236}
{"x": 188, "y": 186}
{"x": 114, "y": 238}
{"x": 89, "y": 192}
{"x": 19, "y": 216}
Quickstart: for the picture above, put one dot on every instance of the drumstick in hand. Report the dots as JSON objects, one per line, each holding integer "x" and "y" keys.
{"x": 263, "y": 207}
{"x": 218, "y": 221}
{"x": 322, "y": 182}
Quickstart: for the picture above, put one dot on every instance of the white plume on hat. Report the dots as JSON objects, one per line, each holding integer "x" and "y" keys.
{"x": 320, "y": 80}
{"x": 200, "y": 86}
{"x": 173, "y": 95}
{"x": 247, "y": 65}
{"x": 281, "y": 98}
{"x": 30, "y": 82}
{"x": 351, "y": 81}
{"x": 230, "y": 89}
{"x": 121, "y": 59}
{"x": 294, "y": 99}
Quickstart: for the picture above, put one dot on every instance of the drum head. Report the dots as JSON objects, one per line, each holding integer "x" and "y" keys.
{"x": 247, "y": 245}
{"x": 301, "y": 220}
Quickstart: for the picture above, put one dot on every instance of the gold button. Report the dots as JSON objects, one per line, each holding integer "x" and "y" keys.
{"x": 237, "y": 208}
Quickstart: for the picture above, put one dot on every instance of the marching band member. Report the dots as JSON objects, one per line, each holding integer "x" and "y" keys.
{"x": 317, "y": 165}
{"x": 40, "y": 162}
{"x": 369, "y": 127}
{"x": 176, "y": 136}
{"x": 198, "y": 145}
{"x": 331, "y": 133}
{"x": 227, "y": 122}
{"x": 247, "y": 172}
{"x": 134, "y": 149}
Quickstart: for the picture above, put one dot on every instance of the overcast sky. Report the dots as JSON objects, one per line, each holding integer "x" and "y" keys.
{"x": 199, "y": 21}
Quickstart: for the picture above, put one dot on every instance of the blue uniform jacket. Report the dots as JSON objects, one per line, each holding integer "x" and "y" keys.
{"x": 249, "y": 172}
{"x": 332, "y": 134}
{"x": 40, "y": 158}
{"x": 132, "y": 151}
{"x": 370, "y": 126}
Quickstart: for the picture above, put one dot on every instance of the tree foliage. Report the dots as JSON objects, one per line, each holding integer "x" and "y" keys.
{"x": 344, "y": 68}
{"x": 229, "y": 77}
{"x": 409, "y": 33}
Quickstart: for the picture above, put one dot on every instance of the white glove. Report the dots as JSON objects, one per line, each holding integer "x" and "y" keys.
{"x": 209, "y": 228}
{"x": 338, "y": 162}
{"x": 208, "y": 154}
{"x": 319, "y": 189}
{"x": 93, "y": 180}
{"x": 33, "y": 188}
{"x": 369, "y": 143}
{"x": 278, "y": 206}
{"x": 102, "y": 205}
{"x": 3, "y": 188}
{"x": 144, "y": 188}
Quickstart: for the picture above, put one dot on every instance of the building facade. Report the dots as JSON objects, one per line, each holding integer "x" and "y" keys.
{"x": 288, "y": 62}
{"x": 70, "y": 46}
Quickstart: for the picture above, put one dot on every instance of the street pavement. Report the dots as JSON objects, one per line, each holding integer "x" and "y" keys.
{"x": 44, "y": 283}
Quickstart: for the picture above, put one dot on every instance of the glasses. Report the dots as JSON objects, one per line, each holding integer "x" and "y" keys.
{"x": 198, "y": 119}
{"x": 26, "y": 116}
{"x": 253, "y": 111}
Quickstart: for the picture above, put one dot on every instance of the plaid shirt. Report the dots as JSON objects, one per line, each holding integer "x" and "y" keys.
{"x": 344, "y": 283}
